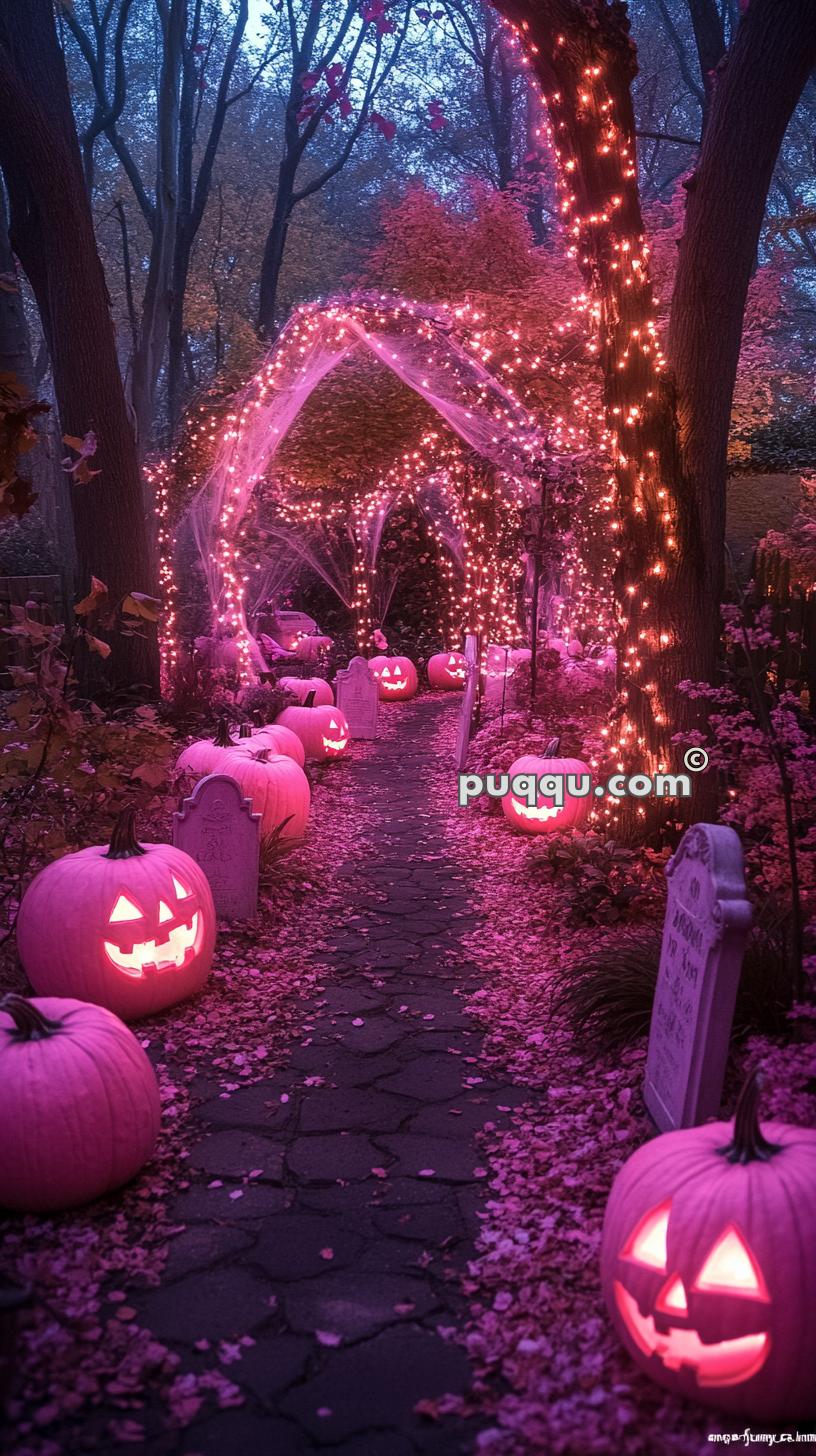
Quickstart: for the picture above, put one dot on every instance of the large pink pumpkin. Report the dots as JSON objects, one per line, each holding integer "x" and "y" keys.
{"x": 129, "y": 926}
{"x": 324, "y": 732}
{"x": 708, "y": 1264}
{"x": 278, "y": 788}
{"x": 546, "y": 816}
{"x": 448, "y": 671}
{"x": 301, "y": 687}
{"x": 80, "y": 1102}
{"x": 396, "y": 678}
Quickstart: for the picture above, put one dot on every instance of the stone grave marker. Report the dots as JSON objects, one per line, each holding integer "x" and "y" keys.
{"x": 217, "y": 828}
{"x": 358, "y": 697}
{"x": 468, "y": 700}
{"x": 704, "y": 933}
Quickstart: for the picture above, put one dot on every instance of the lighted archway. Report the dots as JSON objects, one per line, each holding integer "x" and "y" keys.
{"x": 433, "y": 351}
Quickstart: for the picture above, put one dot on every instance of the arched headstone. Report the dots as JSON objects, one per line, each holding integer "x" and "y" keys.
{"x": 217, "y": 828}
{"x": 358, "y": 698}
{"x": 704, "y": 933}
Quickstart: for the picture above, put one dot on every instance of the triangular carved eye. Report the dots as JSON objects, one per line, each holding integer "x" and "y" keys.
{"x": 397, "y": 671}
{"x": 647, "y": 1244}
{"x": 731, "y": 1269}
{"x": 386, "y": 672}
{"x": 181, "y": 893}
{"x": 165, "y": 913}
{"x": 672, "y": 1297}
{"x": 124, "y": 909}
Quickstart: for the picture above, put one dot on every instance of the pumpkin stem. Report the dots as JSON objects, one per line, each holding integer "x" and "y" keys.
{"x": 749, "y": 1144}
{"x": 552, "y": 747}
{"x": 29, "y": 1022}
{"x": 245, "y": 730}
{"x": 262, "y": 756}
{"x": 308, "y": 701}
{"x": 221, "y": 737}
{"x": 124, "y": 844}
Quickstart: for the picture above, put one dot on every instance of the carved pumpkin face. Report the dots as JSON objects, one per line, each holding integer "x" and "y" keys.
{"x": 546, "y": 815}
{"x": 708, "y": 1269}
{"x": 396, "y": 678}
{"x": 324, "y": 732}
{"x": 670, "y": 1332}
{"x": 149, "y": 940}
{"x": 447, "y": 670}
{"x": 136, "y": 926}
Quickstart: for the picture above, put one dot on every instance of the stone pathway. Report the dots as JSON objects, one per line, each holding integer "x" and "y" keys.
{"x": 335, "y": 1256}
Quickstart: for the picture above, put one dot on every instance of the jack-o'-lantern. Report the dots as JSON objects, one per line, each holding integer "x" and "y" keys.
{"x": 301, "y": 687}
{"x": 278, "y": 788}
{"x": 324, "y": 732}
{"x": 708, "y": 1264}
{"x": 396, "y": 678}
{"x": 128, "y": 926}
{"x": 448, "y": 671}
{"x": 80, "y": 1100}
{"x": 542, "y": 813}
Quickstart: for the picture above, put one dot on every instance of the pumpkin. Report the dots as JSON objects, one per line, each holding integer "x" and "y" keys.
{"x": 708, "y": 1263}
{"x": 396, "y": 678}
{"x": 324, "y": 732}
{"x": 300, "y": 687}
{"x": 202, "y": 757}
{"x": 277, "y": 739}
{"x": 278, "y": 788}
{"x": 546, "y": 815}
{"x": 80, "y": 1103}
{"x": 447, "y": 670}
{"x": 129, "y": 926}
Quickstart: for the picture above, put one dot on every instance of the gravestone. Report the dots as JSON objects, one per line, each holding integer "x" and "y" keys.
{"x": 468, "y": 700}
{"x": 217, "y": 828}
{"x": 498, "y": 671}
{"x": 704, "y": 933}
{"x": 358, "y": 697}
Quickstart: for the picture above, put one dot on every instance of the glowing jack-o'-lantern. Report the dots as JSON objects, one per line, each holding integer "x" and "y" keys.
{"x": 396, "y": 678}
{"x": 129, "y": 926}
{"x": 324, "y": 732}
{"x": 708, "y": 1263}
{"x": 555, "y": 812}
{"x": 447, "y": 670}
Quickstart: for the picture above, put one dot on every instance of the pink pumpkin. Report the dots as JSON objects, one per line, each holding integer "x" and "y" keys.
{"x": 80, "y": 1100}
{"x": 301, "y": 687}
{"x": 129, "y": 926}
{"x": 277, "y": 739}
{"x": 278, "y": 788}
{"x": 324, "y": 732}
{"x": 448, "y": 671}
{"x": 202, "y": 756}
{"x": 708, "y": 1266}
{"x": 546, "y": 815}
{"x": 396, "y": 678}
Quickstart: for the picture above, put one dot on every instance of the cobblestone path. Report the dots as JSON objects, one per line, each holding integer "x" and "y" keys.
{"x": 335, "y": 1257}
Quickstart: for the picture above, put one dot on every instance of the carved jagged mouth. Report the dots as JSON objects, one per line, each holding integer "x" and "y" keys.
{"x": 535, "y": 811}
{"x": 147, "y": 955}
{"x": 395, "y": 687}
{"x": 335, "y": 744}
{"x": 728, "y": 1362}
{"x": 456, "y": 672}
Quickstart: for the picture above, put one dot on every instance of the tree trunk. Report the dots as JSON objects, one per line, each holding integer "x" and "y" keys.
{"x": 669, "y": 427}
{"x": 274, "y": 251}
{"x": 52, "y": 235}
{"x": 158, "y": 296}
